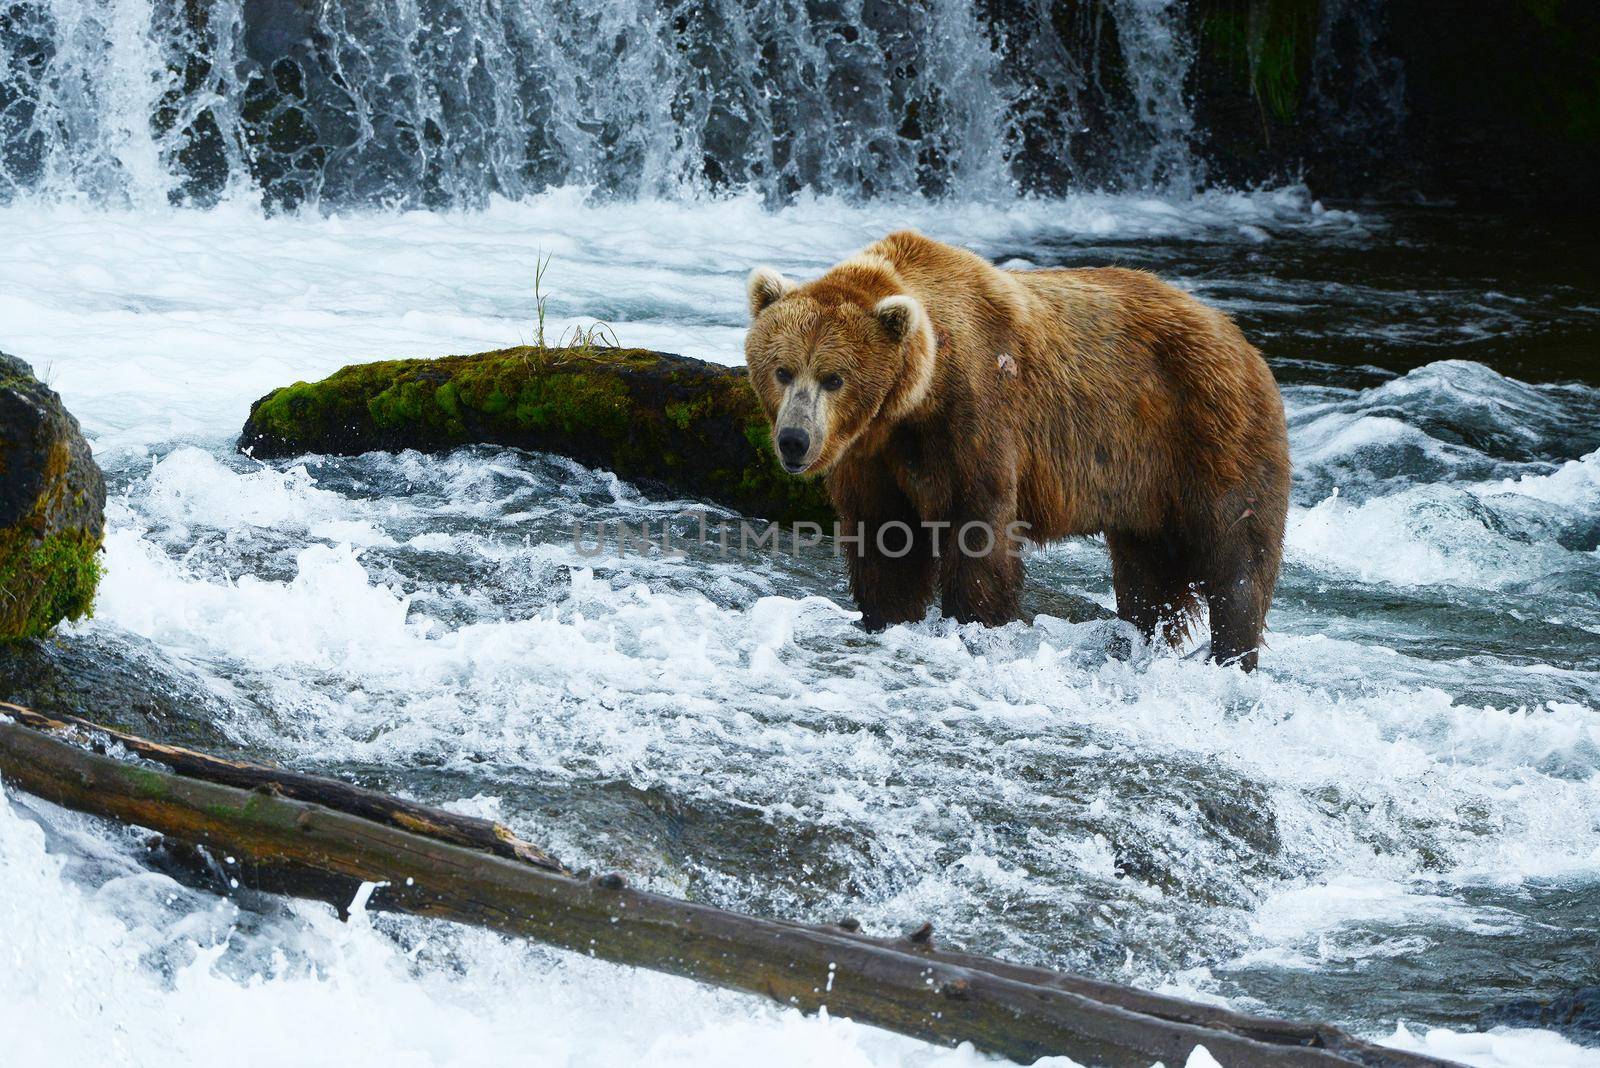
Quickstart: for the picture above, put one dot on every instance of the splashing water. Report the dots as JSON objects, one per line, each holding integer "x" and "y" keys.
{"x": 1393, "y": 820}
{"x": 1157, "y": 54}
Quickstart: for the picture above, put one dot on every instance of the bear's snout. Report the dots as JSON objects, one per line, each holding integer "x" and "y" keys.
{"x": 793, "y": 444}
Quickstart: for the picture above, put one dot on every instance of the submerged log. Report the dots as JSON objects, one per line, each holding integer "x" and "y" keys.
{"x": 300, "y": 846}
{"x": 665, "y": 422}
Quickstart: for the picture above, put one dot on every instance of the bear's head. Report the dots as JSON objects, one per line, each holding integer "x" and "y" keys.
{"x": 837, "y": 361}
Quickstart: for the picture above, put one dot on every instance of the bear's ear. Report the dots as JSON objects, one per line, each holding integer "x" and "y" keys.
{"x": 765, "y": 287}
{"x": 899, "y": 316}
{"x": 906, "y": 320}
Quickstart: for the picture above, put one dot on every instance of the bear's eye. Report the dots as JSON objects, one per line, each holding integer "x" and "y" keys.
{"x": 784, "y": 376}
{"x": 832, "y": 382}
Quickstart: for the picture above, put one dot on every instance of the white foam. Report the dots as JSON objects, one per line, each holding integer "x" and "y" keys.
{"x": 632, "y": 676}
{"x": 190, "y": 485}
{"x": 1434, "y": 535}
{"x": 1575, "y": 485}
{"x": 1341, "y": 436}
{"x": 1502, "y": 1047}
{"x": 75, "y": 990}
{"x": 1306, "y": 914}
{"x": 330, "y": 614}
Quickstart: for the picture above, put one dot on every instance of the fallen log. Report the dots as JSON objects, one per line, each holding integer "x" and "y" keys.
{"x": 369, "y": 804}
{"x": 307, "y": 847}
{"x": 663, "y": 421}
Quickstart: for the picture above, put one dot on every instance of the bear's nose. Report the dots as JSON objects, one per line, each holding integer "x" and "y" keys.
{"x": 792, "y": 445}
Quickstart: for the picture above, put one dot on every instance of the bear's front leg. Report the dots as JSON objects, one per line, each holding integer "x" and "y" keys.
{"x": 891, "y": 586}
{"x": 981, "y": 551}
{"x": 982, "y": 586}
{"x": 889, "y": 552}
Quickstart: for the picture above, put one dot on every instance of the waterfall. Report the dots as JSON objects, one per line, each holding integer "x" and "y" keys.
{"x": 429, "y": 103}
{"x": 1156, "y": 54}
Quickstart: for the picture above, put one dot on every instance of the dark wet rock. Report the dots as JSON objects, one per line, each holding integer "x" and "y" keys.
{"x": 125, "y": 683}
{"x": 1575, "y": 1015}
{"x": 1038, "y": 600}
{"x": 1359, "y": 98}
{"x": 52, "y": 508}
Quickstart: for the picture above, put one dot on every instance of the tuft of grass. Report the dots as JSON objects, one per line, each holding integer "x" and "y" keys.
{"x": 578, "y": 343}
{"x": 540, "y": 266}
{"x": 1266, "y": 46}
{"x": 586, "y": 342}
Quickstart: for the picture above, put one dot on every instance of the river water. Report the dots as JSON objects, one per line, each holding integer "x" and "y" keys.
{"x": 1394, "y": 824}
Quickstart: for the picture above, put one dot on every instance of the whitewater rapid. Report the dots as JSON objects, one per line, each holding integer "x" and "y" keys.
{"x": 1415, "y": 769}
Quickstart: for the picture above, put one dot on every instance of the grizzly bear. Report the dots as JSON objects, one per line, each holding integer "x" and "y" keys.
{"x": 959, "y": 403}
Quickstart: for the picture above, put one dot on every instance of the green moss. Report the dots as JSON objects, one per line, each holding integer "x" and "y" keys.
{"x": 1275, "y": 72}
{"x": 258, "y": 808}
{"x": 407, "y": 404}
{"x": 151, "y": 784}
{"x": 1265, "y": 44}
{"x": 692, "y": 427}
{"x": 684, "y": 413}
{"x": 1562, "y": 95}
{"x": 1545, "y": 11}
{"x": 759, "y": 435}
{"x": 43, "y": 581}
{"x": 496, "y": 402}
{"x": 49, "y": 555}
{"x": 593, "y": 402}
{"x": 553, "y": 389}
{"x": 448, "y": 400}
{"x": 295, "y": 408}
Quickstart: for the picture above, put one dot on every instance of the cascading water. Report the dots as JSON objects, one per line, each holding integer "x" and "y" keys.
{"x": 1156, "y": 56}
{"x": 1356, "y": 89}
{"x": 435, "y": 102}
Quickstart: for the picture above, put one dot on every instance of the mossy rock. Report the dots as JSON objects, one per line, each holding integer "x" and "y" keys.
{"x": 52, "y": 508}
{"x": 668, "y": 423}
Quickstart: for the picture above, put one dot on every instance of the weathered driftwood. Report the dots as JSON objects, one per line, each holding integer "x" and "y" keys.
{"x": 666, "y": 422}
{"x": 332, "y": 793}
{"x": 296, "y": 845}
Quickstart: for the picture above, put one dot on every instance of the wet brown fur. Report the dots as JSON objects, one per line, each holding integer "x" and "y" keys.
{"x": 1077, "y": 401}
